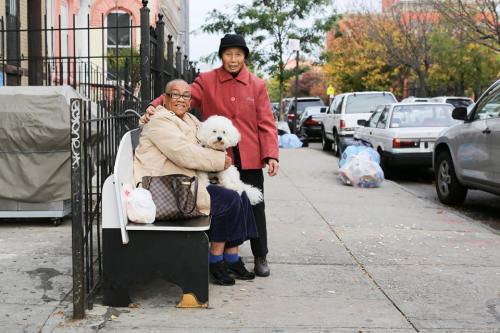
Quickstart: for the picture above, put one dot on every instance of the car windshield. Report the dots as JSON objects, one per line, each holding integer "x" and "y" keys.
{"x": 301, "y": 105}
{"x": 365, "y": 103}
{"x": 422, "y": 116}
{"x": 456, "y": 102}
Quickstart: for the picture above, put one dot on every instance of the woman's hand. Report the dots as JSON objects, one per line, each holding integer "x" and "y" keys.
{"x": 272, "y": 167}
{"x": 228, "y": 162}
{"x": 150, "y": 111}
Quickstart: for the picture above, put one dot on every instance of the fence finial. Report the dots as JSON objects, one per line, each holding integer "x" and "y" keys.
{"x": 160, "y": 17}
{"x": 144, "y": 3}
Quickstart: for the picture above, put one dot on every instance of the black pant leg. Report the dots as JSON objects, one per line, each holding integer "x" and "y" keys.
{"x": 259, "y": 245}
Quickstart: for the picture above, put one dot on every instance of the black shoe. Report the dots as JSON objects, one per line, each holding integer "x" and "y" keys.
{"x": 238, "y": 270}
{"x": 261, "y": 268}
{"x": 219, "y": 274}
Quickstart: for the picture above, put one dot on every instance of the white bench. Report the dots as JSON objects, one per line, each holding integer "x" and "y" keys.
{"x": 176, "y": 250}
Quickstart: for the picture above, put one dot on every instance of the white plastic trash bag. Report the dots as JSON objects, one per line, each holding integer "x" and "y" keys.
{"x": 361, "y": 170}
{"x": 139, "y": 204}
{"x": 289, "y": 141}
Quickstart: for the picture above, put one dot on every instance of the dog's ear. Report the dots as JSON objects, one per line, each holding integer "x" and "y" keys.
{"x": 202, "y": 133}
{"x": 233, "y": 135}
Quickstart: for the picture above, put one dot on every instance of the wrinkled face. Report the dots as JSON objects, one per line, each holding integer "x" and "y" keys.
{"x": 178, "y": 98}
{"x": 218, "y": 133}
{"x": 233, "y": 59}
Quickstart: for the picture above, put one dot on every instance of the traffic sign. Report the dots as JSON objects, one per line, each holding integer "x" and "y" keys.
{"x": 330, "y": 90}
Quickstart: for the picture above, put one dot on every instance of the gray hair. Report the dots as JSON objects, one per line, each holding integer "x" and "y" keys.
{"x": 171, "y": 83}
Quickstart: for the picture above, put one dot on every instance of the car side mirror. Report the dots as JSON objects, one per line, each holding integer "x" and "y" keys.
{"x": 459, "y": 113}
{"x": 362, "y": 122}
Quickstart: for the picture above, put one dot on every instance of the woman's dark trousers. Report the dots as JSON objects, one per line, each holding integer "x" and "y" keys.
{"x": 259, "y": 245}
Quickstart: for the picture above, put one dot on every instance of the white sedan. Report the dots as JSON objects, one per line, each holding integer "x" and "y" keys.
{"x": 404, "y": 133}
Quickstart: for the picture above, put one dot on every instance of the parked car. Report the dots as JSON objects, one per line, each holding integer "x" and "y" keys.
{"x": 292, "y": 115}
{"x": 275, "y": 109}
{"x": 453, "y": 100}
{"x": 404, "y": 133}
{"x": 310, "y": 121}
{"x": 345, "y": 110}
{"x": 413, "y": 99}
{"x": 467, "y": 156}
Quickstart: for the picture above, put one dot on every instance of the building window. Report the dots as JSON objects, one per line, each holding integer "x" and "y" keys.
{"x": 119, "y": 31}
{"x": 12, "y": 24}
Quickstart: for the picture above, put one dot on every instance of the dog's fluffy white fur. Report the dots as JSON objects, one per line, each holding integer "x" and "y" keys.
{"x": 219, "y": 133}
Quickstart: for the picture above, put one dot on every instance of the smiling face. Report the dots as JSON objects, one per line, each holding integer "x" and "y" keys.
{"x": 233, "y": 59}
{"x": 178, "y": 97}
{"x": 218, "y": 133}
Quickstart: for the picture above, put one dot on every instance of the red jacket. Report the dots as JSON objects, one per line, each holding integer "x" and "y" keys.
{"x": 245, "y": 101}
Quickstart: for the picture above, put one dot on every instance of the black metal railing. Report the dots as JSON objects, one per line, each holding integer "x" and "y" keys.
{"x": 110, "y": 80}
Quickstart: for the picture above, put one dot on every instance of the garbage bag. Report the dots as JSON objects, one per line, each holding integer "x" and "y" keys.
{"x": 354, "y": 150}
{"x": 139, "y": 204}
{"x": 360, "y": 167}
{"x": 289, "y": 141}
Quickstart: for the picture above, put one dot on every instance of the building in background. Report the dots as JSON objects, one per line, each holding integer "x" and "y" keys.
{"x": 29, "y": 41}
{"x": 17, "y": 45}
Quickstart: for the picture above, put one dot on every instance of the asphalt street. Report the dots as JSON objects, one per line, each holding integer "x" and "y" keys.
{"x": 479, "y": 206}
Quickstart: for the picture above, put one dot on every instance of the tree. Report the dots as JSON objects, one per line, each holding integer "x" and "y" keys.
{"x": 460, "y": 67}
{"x": 355, "y": 61}
{"x": 268, "y": 25}
{"x": 478, "y": 20}
{"x": 404, "y": 34}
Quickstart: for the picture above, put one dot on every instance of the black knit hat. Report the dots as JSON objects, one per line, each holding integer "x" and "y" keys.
{"x": 230, "y": 40}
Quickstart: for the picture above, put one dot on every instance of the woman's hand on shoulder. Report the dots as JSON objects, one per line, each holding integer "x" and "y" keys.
{"x": 150, "y": 111}
{"x": 272, "y": 167}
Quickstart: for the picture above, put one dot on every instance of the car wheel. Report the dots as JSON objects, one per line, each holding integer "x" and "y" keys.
{"x": 325, "y": 143}
{"x": 384, "y": 164}
{"x": 336, "y": 144}
{"x": 448, "y": 188}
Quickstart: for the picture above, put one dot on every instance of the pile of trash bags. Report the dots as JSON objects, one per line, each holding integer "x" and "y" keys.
{"x": 360, "y": 167}
{"x": 288, "y": 140}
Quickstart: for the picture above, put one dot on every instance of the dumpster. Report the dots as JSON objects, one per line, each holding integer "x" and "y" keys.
{"x": 35, "y": 174}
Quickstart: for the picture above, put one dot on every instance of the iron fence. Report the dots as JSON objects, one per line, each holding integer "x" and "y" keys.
{"x": 110, "y": 81}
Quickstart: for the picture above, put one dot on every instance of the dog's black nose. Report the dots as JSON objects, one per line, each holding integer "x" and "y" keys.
{"x": 219, "y": 138}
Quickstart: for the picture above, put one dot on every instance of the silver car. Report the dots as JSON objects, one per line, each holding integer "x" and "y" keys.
{"x": 467, "y": 155}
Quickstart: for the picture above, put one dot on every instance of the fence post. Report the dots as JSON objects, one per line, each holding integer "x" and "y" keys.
{"x": 76, "y": 207}
{"x": 170, "y": 58}
{"x": 185, "y": 68}
{"x": 160, "y": 56}
{"x": 178, "y": 62}
{"x": 193, "y": 71}
{"x": 145, "y": 57}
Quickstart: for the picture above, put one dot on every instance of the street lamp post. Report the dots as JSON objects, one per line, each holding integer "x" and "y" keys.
{"x": 296, "y": 91}
{"x": 294, "y": 46}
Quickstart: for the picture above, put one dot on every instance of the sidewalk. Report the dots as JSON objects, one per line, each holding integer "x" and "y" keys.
{"x": 342, "y": 260}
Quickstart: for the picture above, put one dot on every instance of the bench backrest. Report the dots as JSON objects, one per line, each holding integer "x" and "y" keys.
{"x": 124, "y": 174}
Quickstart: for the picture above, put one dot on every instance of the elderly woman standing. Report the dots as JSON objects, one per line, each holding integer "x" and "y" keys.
{"x": 232, "y": 91}
{"x": 168, "y": 145}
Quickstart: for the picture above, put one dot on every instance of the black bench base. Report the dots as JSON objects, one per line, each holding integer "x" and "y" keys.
{"x": 177, "y": 256}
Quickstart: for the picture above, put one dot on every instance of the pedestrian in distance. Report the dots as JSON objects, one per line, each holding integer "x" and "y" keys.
{"x": 168, "y": 145}
{"x": 235, "y": 93}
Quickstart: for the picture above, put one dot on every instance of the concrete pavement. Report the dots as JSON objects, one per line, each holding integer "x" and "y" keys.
{"x": 342, "y": 260}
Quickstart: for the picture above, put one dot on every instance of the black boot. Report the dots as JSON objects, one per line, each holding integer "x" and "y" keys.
{"x": 219, "y": 274}
{"x": 239, "y": 271}
{"x": 261, "y": 268}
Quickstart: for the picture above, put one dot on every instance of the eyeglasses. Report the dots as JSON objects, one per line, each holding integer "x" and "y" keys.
{"x": 178, "y": 96}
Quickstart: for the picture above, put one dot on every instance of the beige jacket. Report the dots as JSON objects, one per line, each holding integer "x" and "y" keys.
{"x": 168, "y": 145}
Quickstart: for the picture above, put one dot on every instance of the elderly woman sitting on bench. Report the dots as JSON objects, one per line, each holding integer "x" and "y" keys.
{"x": 168, "y": 145}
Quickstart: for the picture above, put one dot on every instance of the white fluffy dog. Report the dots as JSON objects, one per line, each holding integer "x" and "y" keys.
{"x": 218, "y": 133}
